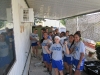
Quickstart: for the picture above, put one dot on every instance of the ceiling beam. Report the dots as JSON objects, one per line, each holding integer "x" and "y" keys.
{"x": 81, "y": 14}
{"x": 27, "y": 3}
{"x": 69, "y": 16}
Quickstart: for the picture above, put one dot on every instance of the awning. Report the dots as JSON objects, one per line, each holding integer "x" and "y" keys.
{"x": 57, "y": 9}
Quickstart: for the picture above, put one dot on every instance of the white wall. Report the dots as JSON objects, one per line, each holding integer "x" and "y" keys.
{"x": 22, "y": 42}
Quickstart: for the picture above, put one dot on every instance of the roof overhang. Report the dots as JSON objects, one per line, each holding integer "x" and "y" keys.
{"x": 58, "y": 9}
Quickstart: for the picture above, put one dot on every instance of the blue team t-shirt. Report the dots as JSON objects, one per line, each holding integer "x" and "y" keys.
{"x": 4, "y": 49}
{"x": 34, "y": 36}
{"x": 56, "y": 50}
{"x": 47, "y": 42}
{"x": 79, "y": 48}
{"x": 68, "y": 45}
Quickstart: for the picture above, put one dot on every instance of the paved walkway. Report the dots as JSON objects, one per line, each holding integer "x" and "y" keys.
{"x": 36, "y": 67}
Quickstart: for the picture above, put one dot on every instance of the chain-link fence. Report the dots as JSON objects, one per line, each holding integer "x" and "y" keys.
{"x": 89, "y": 25}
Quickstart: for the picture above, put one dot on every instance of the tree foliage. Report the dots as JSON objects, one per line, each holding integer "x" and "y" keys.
{"x": 2, "y": 24}
{"x": 63, "y": 22}
{"x": 39, "y": 20}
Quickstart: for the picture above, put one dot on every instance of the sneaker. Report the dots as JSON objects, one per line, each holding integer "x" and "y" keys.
{"x": 67, "y": 74}
{"x": 34, "y": 56}
{"x": 45, "y": 71}
{"x": 42, "y": 62}
{"x": 50, "y": 73}
{"x": 44, "y": 66}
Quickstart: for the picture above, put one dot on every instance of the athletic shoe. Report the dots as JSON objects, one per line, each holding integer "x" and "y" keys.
{"x": 67, "y": 74}
{"x": 50, "y": 73}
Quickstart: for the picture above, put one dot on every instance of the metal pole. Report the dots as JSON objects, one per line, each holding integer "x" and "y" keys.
{"x": 59, "y": 25}
{"x": 77, "y": 24}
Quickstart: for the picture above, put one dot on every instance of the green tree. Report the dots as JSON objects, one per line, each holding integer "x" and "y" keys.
{"x": 39, "y": 20}
{"x": 63, "y": 22}
{"x": 2, "y": 24}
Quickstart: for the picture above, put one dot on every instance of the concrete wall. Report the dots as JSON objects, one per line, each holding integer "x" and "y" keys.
{"x": 22, "y": 42}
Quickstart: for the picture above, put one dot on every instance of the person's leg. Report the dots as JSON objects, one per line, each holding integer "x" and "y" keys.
{"x": 61, "y": 72}
{"x": 70, "y": 69}
{"x": 56, "y": 71}
{"x": 77, "y": 72}
{"x": 60, "y": 67}
{"x": 50, "y": 69}
{"x": 36, "y": 48}
{"x": 70, "y": 65}
{"x": 47, "y": 66}
{"x": 47, "y": 62}
{"x": 67, "y": 67}
{"x": 33, "y": 50}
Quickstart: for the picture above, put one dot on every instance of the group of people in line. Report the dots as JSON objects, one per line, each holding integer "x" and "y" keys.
{"x": 60, "y": 50}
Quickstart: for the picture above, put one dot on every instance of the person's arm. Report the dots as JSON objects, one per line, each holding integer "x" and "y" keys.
{"x": 67, "y": 50}
{"x": 71, "y": 50}
{"x": 82, "y": 51}
{"x": 31, "y": 38}
{"x": 48, "y": 51}
{"x": 80, "y": 61}
{"x": 81, "y": 57}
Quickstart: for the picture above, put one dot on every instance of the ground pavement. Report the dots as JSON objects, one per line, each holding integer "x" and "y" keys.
{"x": 36, "y": 67}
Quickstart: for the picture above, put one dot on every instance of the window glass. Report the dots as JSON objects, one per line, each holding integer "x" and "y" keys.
{"x": 7, "y": 47}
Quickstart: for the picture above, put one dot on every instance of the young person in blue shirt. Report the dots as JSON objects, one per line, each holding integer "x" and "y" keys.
{"x": 4, "y": 54}
{"x": 62, "y": 38}
{"x": 46, "y": 56}
{"x": 67, "y": 35}
{"x": 56, "y": 50}
{"x": 79, "y": 54}
{"x": 34, "y": 42}
{"x": 50, "y": 36}
{"x": 69, "y": 57}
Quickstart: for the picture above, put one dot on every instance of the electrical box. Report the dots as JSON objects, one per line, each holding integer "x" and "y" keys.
{"x": 27, "y": 15}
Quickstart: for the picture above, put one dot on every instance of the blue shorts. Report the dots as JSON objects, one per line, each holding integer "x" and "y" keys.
{"x": 47, "y": 58}
{"x": 75, "y": 63}
{"x": 4, "y": 61}
{"x": 34, "y": 44}
{"x": 57, "y": 64}
{"x": 68, "y": 60}
{"x": 64, "y": 58}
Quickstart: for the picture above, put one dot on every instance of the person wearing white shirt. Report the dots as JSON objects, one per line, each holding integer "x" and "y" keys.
{"x": 46, "y": 56}
{"x": 4, "y": 54}
{"x": 57, "y": 59}
{"x": 69, "y": 57}
{"x": 34, "y": 42}
{"x": 79, "y": 54}
{"x": 63, "y": 37}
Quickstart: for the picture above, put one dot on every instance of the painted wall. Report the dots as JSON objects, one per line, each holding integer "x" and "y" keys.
{"x": 22, "y": 42}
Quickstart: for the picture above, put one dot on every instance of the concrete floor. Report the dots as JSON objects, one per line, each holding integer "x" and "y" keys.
{"x": 36, "y": 67}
